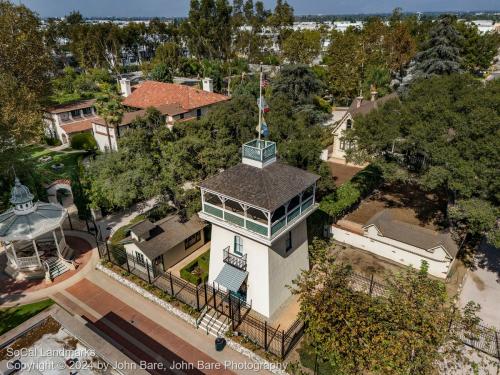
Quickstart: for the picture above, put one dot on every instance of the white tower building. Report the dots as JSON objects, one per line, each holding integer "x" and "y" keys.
{"x": 259, "y": 234}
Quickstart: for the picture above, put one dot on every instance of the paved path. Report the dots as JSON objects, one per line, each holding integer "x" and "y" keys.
{"x": 110, "y": 223}
{"x": 14, "y": 293}
{"x": 483, "y": 285}
{"x": 145, "y": 331}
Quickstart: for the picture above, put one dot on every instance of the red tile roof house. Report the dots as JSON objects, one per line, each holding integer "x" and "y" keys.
{"x": 65, "y": 120}
{"x": 177, "y": 103}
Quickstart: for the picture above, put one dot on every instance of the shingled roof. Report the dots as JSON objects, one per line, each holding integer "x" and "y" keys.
{"x": 369, "y": 105}
{"x": 165, "y": 234}
{"x": 267, "y": 188}
{"x": 154, "y": 94}
{"x": 412, "y": 234}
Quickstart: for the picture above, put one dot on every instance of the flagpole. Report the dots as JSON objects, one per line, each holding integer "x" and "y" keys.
{"x": 260, "y": 101}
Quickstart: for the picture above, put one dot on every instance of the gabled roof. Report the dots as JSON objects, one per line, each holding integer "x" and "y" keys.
{"x": 163, "y": 235}
{"x": 267, "y": 188}
{"x": 155, "y": 94}
{"x": 369, "y": 105}
{"x": 412, "y": 234}
{"x": 80, "y": 104}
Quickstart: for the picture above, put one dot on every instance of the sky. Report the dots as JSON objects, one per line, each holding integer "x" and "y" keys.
{"x": 179, "y": 8}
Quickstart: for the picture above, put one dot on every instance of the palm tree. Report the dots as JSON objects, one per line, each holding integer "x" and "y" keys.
{"x": 110, "y": 108}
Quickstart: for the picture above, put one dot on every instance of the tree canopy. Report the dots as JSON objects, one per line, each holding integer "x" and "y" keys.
{"x": 445, "y": 134}
{"x": 411, "y": 328}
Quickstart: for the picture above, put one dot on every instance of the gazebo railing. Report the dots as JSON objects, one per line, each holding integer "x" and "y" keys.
{"x": 26, "y": 262}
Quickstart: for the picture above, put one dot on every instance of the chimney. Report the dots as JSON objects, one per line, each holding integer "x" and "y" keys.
{"x": 125, "y": 87}
{"x": 359, "y": 100}
{"x": 208, "y": 84}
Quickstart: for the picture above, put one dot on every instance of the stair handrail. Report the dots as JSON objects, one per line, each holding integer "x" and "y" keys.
{"x": 222, "y": 325}
{"x": 202, "y": 314}
{"x": 68, "y": 261}
{"x": 47, "y": 270}
{"x": 210, "y": 320}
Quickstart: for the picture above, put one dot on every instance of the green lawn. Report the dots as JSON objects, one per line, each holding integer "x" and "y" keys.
{"x": 14, "y": 316}
{"x": 196, "y": 271}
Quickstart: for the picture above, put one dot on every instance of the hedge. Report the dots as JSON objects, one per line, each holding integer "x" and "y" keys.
{"x": 203, "y": 263}
{"x": 351, "y": 192}
{"x": 83, "y": 141}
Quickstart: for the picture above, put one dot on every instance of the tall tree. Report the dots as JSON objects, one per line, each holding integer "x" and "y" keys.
{"x": 441, "y": 54}
{"x": 302, "y": 46}
{"x": 110, "y": 108}
{"x": 446, "y": 129}
{"x": 412, "y": 328}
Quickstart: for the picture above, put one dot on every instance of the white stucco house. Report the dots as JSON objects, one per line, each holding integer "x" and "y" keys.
{"x": 63, "y": 121}
{"x": 405, "y": 243}
{"x": 258, "y": 212}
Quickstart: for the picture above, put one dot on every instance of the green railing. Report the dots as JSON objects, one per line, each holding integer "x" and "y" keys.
{"x": 259, "y": 150}
{"x": 278, "y": 225}
{"x": 213, "y": 211}
{"x": 234, "y": 219}
{"x": 257, "y": 228}
{"x": 293, "y": 214}
{"x": 306, "y": 204}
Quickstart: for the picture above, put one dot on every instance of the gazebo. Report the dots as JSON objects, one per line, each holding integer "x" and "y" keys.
{"x": 33, "y": 237}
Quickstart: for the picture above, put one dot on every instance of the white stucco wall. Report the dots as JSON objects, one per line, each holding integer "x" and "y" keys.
{"x": 270, "y": 270}
{"x": 396, "y": 251}
{"x": 101, "y": 137}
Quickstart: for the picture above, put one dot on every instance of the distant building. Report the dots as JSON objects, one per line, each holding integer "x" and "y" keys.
{"x": 343, "y": 120}
{"x": 176, "y": 103}
{"x": 63, "y": 121}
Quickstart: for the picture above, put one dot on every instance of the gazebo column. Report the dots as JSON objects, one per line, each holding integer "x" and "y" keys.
{"x": 62, "y": 234}
{"x": 57, "y": 244}
{"x": 14, "y": 254}
{"x": 36, "y": 252}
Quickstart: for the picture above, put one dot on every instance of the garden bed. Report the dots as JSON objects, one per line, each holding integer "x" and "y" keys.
{"x": 196, "y": 271}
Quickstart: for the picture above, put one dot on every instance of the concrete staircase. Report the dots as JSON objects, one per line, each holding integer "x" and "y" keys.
{"x": 214, "y": 323}
{"x": 57, "y": 267}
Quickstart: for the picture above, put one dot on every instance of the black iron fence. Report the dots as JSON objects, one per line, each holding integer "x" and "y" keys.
{"x": 243, "y": 323}
{"x": 274, "y": 340}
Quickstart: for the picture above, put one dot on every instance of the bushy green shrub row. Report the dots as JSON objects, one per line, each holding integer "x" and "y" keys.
{"x": 351, "y": 192}
{"x": 201, "y": 262}
{"x": 83, "y": 141}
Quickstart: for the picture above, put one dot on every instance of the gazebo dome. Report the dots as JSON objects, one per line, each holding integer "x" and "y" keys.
{"x": 28, "y": 220}
{"x": 20, "y": 194}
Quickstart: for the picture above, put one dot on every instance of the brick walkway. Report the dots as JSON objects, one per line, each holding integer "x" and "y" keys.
{"x": 136, "y": 335}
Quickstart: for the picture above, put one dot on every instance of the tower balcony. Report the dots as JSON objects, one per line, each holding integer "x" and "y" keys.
{"x": 238, "y": 261}
{"x": 259, "y": 153}
{"x": 257, "y": 223}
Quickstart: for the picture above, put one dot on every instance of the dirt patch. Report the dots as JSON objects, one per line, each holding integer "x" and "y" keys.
{"x": 341, "y": 172}
{"x": 408, "y": 204}
{"x": 364, "y": 263}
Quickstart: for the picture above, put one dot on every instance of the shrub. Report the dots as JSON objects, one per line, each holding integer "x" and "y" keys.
{"x": 83, "y": 141}
{"x": 346, "y": 196}
{"x": 202, "y": 262}
{"x": 52, "y": 141}
{"x": 118, "y": 253}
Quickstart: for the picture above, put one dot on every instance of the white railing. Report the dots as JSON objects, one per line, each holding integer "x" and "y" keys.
{"x": 26, "y": 262}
